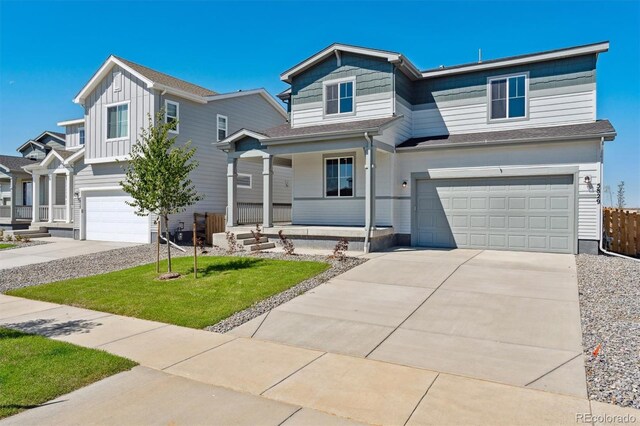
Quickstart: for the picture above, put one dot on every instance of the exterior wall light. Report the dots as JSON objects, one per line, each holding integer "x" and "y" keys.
{"x": 404, "y": 183}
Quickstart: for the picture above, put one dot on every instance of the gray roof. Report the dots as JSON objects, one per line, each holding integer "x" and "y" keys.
{"x": 599, "y": 128}
{"x": 285, "y": 130}
{"x": 64, "y": 154}
{"x": 13, "y": 163}
{"x": 167, "y": 80}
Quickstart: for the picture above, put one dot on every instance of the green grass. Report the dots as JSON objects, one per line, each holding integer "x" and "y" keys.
{"x": 34, "y": 369}
{"x": 6, "y": 246}
{"x": 225, "y": 285}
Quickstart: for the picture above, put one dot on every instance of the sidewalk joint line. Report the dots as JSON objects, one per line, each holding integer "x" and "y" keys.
{"x": 423, "y": 302}
{"x": 199, "y": 353}
{"x": 553, "y": 369}
{"x": 420, "y": 400}
{"x": 289, "y": 416}
{"x": 261, "y": 322}
{"x": 280, "y": 381}
{"x": 132, "y": 335}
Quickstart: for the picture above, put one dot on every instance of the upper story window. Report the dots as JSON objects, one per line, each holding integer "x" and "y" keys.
{"x": 222, "y": 127}
{"x": 118, "y": 121}
{"x": 338, "y": 97}
{"x": 508, "y": 97}
{"x": 172, "y": 110}
{"x": 338, "y": 177}
{"x": 81, "y": 135}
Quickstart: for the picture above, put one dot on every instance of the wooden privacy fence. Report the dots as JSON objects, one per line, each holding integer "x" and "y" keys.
{"x": 623, "y": 231}
{"x": 208, "y": 224}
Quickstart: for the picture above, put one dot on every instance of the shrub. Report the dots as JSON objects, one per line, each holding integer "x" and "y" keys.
{"x": 8, "y": 238}
{"x": 18, "y": 238}
{"x": 339, "y": 251}
{"x": 257, "y": 236}
{"x": 232, "y": 243}
{"x": 287, "y": 244}
{"x": 26, "y": 239}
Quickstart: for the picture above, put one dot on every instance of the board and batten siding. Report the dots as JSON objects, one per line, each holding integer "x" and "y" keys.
{"x": 72, "y": 136}
{"x": 560, "y": 92}
{"x": 582, "y": 154}
{"x": 141, "y": 104}
{"x": 373, "y": 90}
{"x": 311, "y": 207}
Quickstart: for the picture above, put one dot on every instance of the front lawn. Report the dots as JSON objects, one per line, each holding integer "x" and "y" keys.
{"x": 6, "y": 246}
{"x": 225, "y": 285}
{"x": 34, "y": 369}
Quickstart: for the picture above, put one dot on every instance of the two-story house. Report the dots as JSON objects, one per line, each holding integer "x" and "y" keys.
{"x": 117, "y": 102}
{"x": 500, "y": 154}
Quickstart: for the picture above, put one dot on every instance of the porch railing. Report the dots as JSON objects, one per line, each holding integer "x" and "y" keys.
{"x": 23, "y": 212}
{"x": 44, "y": 213}
{"x": 250, "y": 213}
{"x": 5, "y": 211}
{"x": 59, "y": 213}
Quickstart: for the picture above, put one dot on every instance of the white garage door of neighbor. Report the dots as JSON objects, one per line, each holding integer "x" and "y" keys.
{"x": 109, "y": 218}
{"x": 513, "y": 213}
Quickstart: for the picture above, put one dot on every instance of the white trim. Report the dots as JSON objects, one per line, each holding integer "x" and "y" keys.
{"x": 106, "y": 120}
{"x": 338, "y": 81}
{"x": 226, "y": 126}
{"x": 180, "y": 93}
{"x": 107, "y": 159}
{"x": 536, "y": 57}
{"x": 29, "y": 142}
{"x": 262, "y": 92}
{"x": 71, "y": 122}
{"x": 177, "y": 116}
{"x": 46, "y": 132}
{"x": 104, "y": 188}
{"x": 506, "y": 77}
{"x": 353, "y": 176}
{"x": 250, "y": 180}
{"x": 82, "y": 135}
{"x": 74, "y": 157}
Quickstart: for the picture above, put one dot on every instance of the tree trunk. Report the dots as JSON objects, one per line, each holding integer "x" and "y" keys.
{"x": 158, "y": 245}
{"x": 166, "y": 227}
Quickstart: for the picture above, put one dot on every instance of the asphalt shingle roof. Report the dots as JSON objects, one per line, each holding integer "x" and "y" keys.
{"x": 599, "y": 128}
{"x": 168, "y": 80}
{"x": 285, "y": 130}
{"x": 14, "y": 163}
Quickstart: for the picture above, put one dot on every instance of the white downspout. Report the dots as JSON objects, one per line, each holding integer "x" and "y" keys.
{"x": 369, "y": 225}
{"x": 602, "y": 249}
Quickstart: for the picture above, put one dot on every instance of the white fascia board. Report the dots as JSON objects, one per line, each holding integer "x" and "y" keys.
{"x": 107, "y": 159}
{"x": 102, "y": 73}
{"x": 47, "y": 160}
{"x": 226, "y": 143}
{"x": 177, "y": 92}
{"x": 79, "y": 154}
{"x": 262, "y": 92}
{"x": 70, "y": 122}
{"x": 46, "y": 132}
{"x": 565, "y": 53}
{"x": 24, "y": 145}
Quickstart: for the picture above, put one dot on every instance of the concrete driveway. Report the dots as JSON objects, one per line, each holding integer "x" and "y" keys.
{"x": 56, "y": 248}
{"x": 507, "y": 317}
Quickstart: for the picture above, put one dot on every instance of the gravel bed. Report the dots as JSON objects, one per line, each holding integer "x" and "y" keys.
{"x": 19, "y": 244}
{"x": 609, "y": 290}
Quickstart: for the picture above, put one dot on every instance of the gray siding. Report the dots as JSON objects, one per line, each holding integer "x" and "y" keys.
{"x": 51, "y": 142}
{"x": 73, "y": 136}
{"x": 33, "y": 152}
{"x": 93, "y": 176}
{"x": 141, "y": 104}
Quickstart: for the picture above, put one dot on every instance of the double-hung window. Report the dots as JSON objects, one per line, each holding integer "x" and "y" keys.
{"x": 338, "y": 97}
{"x": 508, "y": 97}
{"x": 172, "y": 109}
{"x": 339, "y": 177}
{"x": 222, "y": 127}
{"x": 118, "y": 121}
{"x": 81, "y": 135}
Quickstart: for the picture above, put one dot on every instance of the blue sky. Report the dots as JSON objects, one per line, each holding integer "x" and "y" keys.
{"x": 49, "y": 50}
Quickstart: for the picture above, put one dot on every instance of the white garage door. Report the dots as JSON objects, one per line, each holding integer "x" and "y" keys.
{"x": 515, "y": 213}
{"x": 109, "y": 218}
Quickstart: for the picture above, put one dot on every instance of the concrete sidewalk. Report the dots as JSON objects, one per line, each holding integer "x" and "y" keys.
{"x": 194, "y": 376}
{"x": 56, "y": 248}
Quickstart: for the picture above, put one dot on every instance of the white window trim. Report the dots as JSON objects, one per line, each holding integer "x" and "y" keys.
{"x": 353, "y": 175}
{"x": 526, "y": 97}
{"x": 106, "y": 121}
{"x": 250, "y": 180}
{"x": 166, "y": 109}
{"x": 324, "y": 97}
{"x": 226, "y": 126}
{"x": 82, "y": 129}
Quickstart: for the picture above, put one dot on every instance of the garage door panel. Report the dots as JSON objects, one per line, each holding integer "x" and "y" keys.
{"x": 523, "y": 213}
{"x": 108, "y": 217}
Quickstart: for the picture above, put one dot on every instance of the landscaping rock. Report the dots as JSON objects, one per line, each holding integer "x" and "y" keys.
{"x": 169, "y": 276}
{"x": 609, "y": 289}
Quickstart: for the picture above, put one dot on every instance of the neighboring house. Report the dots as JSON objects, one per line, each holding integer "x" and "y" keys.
{"x": 39, "y": 147}
{"x": 85, "y": 198}
{"x": 15, "y": 192}
{"x": 501, "y": 154}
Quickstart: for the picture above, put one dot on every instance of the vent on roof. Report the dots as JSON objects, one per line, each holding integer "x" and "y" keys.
{"x": 117, "y": 81}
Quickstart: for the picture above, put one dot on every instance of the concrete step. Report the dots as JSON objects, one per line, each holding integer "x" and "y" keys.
{"x": 38, "y": 235}
{"x": 37, "y": 228}
{"x": 252, "y": 240}
{"x": 244, "y": 236}
{"x": 264, "y": 246}
{"x": 27, "y": 233}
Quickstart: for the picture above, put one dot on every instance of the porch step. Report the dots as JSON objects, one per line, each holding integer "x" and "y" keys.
{"x": 31, "y": 233}
{"x": 263, "y": 246}
{"x": 252, "y": 240}
{"x": 245, "y": 236}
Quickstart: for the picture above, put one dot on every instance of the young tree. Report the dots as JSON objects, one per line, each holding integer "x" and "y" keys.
{"x": 620, "y": 195}
{"x": 157, "y": 174}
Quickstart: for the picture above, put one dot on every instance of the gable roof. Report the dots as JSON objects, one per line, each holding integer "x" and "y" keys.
{"x": 596, "y": 129}
{"x": 152, "y": 78}
{"x": 12, "y": 163}
{"x": 336, "y": 48}
{"x": 36, "y": 141}
{"x": 29, "y": 142}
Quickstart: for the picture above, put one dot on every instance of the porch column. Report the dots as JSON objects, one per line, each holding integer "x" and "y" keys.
{"x": 232, "y": 197}
{"x": 12, "y": 187}
{"x": 370, "y": 187}
{"x": 52, "y": 194}
{"x": 68, "y": 196}
{"x": 35, "y": 198}
{"x": 267, "y": 191}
